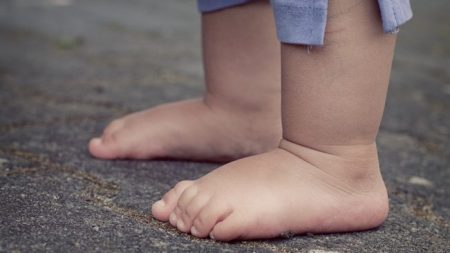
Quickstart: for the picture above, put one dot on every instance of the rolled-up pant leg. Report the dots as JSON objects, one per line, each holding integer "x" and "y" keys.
{"x": 300, "y": 21}
{"x": 304, "y": 21}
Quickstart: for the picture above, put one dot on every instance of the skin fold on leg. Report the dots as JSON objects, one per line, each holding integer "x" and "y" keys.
{"x": 325, "y": 175}
{"x": 335, "y": 94}
{"x": 239, "y": 114}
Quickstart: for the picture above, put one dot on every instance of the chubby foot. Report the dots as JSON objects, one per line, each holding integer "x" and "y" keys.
{"x": 292, "y": 189}
{"x": 192, "y": 129}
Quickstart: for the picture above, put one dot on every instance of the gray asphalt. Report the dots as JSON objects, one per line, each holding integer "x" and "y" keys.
{"x": 68, "y": 67}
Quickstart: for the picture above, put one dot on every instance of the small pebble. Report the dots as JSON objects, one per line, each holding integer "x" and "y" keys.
{"x": 3, "y": 161}
{"x": 420, "y": 181}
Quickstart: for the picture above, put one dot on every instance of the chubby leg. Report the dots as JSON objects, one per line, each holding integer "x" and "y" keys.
{"x": 325, "y": 176}
{"x": 239, "y": 114}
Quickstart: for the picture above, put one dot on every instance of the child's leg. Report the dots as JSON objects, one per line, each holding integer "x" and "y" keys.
{"x": 325, "y": 176}
{"x": 239, "y": 114}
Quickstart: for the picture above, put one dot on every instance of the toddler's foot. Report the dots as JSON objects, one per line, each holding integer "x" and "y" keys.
{"x": 192, "y": 129}
{"x": 293, "y": 189}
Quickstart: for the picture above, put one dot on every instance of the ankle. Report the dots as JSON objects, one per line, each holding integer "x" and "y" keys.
{"x": 265, "y": 104}
{"x": 357, "y": 164}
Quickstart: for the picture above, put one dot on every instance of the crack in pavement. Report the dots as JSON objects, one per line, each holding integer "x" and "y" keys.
{"x": 101, "y": 193}
{"x": 52, "y": 166}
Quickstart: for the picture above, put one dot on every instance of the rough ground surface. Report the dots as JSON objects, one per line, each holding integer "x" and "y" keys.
{"x": 68, "y": 67}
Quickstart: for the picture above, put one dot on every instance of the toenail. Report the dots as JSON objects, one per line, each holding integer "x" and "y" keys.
{"x": 160, "y": 203}
{"x": 96, "y": 140}
{"x": 211, "y": 236}
{"x": 194, "y": 231}
{"x": 173, "y": 219}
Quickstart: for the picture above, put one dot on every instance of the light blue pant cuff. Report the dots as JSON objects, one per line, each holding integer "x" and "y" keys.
{"x": 215, "y": 5}
{"x": 300, "y": 22}
{"x": 394, "y": 13}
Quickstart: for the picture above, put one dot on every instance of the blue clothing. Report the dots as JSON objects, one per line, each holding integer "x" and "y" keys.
{"x": 304, "y": 21}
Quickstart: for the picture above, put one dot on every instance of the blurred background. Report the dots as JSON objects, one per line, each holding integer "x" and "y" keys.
{"x": 68, "y": 67}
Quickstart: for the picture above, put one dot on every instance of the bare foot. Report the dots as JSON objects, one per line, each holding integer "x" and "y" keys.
{"x": 192, "y": 129}
{"x": 240, "y": 114}
{"x": 293, "y": 189}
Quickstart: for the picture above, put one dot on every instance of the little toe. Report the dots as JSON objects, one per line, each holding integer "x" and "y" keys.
{"x": 164, "y": 207}
{"x": 213, "y": 212}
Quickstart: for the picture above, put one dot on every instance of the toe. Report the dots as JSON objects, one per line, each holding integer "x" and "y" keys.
{"x": 173, "y": 219}
{"x": 192, "y": 209}
{"x": 214, "y": 211}
{"x": 184, "y": 224}
{"x": 108, "y": 146}
{"x": 230, "y": 228}
{"x": 179, "y": 224}
{"x": 97, "y": 149}
{"x": 188, "y": 194}
{"x": 114, "y": 126}
{"x": 94, "y": 145}
{"x": 164, "y": 207}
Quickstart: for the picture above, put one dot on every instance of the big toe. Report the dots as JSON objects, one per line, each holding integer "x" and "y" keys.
{"x": 162, "y": 209}
{"x": 102, "y": 149}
